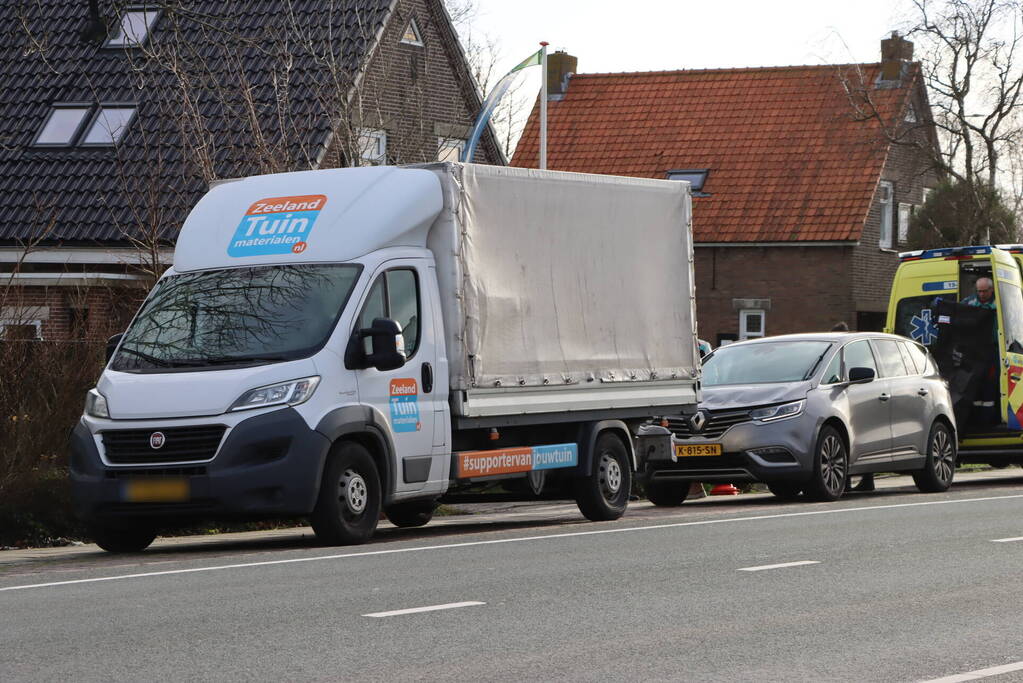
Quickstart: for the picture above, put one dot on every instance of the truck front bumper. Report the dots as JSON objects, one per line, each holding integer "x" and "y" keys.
{"x": 265, "y": 466}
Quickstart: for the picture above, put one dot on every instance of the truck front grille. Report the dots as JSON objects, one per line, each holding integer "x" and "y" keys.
{"x": 718, "y": 422}
{"x": 180, "y": 444}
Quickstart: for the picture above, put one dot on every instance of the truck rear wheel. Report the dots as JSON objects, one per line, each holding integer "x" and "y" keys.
{"x": 348, "y": 508}
{"x": 604, "y": 494}
{"x": 122, "y": 539}
{"x": 667, "y": 493}
{"x": 406, "y": 515}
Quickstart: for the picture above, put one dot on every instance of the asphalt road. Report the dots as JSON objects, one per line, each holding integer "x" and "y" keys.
{"x": 890, "y": 586}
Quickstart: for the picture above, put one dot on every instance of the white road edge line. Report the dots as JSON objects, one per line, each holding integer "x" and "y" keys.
{"x": 979, "y": 673}
{"x": 1007, "y": 540}
{"x": 416, "y": 610}
{"x": 499, "y": 541}
{"x": 778, "y": 566}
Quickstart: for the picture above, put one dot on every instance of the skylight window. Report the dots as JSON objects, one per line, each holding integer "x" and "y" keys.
{"x": 62, "y": 125}
{"x": 696, "y": 177}
{"x": 412, "y": 35}
{"x": 135, "y": 25}
{"x": 108, "y": 125}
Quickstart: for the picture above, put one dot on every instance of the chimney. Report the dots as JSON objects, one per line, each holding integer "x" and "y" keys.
{"x": 560, "y": 67}
{"x": 896, "y": 52}
{"x": 96, "y": 29}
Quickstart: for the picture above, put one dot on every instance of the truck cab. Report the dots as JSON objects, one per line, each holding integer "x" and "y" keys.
{"x": 978, "y": 348}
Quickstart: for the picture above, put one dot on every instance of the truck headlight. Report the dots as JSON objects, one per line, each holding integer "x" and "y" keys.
{"x": 291, "y": 393}
{"x": 779, "y": 412}
{"x": 96, "y": 404}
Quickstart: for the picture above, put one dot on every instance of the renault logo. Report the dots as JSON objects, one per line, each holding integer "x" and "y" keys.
{"x": 156, "y": 440}
{"x": 698, "y": 421}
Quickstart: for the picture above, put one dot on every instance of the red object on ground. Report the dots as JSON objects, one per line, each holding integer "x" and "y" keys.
{"x": 724, "y": 490}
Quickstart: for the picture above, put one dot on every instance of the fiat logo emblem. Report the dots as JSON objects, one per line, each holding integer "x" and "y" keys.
{"x": 698, "y": 421}
{"x": 157, "y": 440}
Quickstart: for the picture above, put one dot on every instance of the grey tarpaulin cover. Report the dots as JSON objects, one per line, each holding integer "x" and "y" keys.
{"x": 563, "y": 278}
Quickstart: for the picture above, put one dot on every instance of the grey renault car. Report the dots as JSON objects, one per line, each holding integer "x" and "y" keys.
{"x": 804, "y": 412}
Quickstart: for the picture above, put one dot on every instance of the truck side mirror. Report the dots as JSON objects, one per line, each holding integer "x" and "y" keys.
{"x": 112, "y": 345}
{"x": 387, "y": 354}
{"x": 861, "y": 375}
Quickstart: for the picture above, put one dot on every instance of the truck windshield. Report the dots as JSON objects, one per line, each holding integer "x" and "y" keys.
{"x": 764, "y": 362}
{"x": 236, "y": 316}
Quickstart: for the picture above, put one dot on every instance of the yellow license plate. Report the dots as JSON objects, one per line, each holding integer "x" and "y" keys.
{"x": 682, "y": 451}
{"x": 156, "y": 490}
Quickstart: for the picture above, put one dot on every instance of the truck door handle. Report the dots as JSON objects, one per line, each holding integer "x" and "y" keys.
{"x": 427, "y": 378}
{"x": 1014, "y": 378}
{"x": 922, "y": 392}
{"x": 883, "y": 397}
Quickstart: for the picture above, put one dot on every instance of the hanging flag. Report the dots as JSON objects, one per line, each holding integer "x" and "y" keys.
{"x": 490, "y": 104}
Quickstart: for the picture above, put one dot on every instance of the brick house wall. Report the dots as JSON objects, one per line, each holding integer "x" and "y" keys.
{"x": 72, "y": 312}
{"x": 807, "y": 288}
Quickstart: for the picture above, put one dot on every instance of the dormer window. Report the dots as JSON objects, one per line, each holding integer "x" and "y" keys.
{"x": 134, "y": 27}
{"x": 412, "y": 35}
{"x": 696, "y": 177}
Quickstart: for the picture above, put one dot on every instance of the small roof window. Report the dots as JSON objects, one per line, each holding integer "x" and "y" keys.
{"x": 136, "y": 22}
{"x": 62, "y": 125}
{"x": 696, "y": 177}
{"x": 109, "y": 124}
{"x": 412, "y": 35}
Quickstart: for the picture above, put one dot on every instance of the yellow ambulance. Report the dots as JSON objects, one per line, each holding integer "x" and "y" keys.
{"x": 977, "y": 344}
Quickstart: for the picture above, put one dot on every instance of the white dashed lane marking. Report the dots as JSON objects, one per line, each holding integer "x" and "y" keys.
{"x": 416, "y": 610}
{"x": 778, "y": 566}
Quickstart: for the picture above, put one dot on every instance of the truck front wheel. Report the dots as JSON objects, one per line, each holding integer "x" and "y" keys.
{"x": 348, "y": 507}
{"x": 604, "y": 494}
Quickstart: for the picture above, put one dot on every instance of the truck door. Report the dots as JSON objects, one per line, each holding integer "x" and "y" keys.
{"x": 1009, "y": 305}
{"x": 405, "y": 396}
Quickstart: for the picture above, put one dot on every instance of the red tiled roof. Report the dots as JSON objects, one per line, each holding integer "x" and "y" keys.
{"x": 788, "y": 160}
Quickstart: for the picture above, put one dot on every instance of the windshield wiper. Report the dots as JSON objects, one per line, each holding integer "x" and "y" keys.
{"x": 160, "y": 362}
{"x": 226, "y": 360}
{"x": 813, "y": 368}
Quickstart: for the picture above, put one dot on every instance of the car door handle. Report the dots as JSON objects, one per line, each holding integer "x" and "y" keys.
{"x": 883, "y": 397}
{"x": 922, "y": 392}
{"x": 427, "y": 378}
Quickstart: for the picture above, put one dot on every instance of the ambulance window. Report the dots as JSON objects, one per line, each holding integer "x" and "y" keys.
{"x": 1011, "y": 302}
{"x": 890, "y": 357}
{"x": 858, "y": 355}
{"x": 914, "y": 319}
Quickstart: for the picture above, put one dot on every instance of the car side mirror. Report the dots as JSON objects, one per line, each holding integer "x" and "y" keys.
{"x": 112, "y": 343}
{"x": 861, "y": 375}
{"x": 387, "y": 343}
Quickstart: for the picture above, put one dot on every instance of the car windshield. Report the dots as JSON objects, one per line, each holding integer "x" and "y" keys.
{"x": 764, "y": 362}
{"x": 236, "y": 316}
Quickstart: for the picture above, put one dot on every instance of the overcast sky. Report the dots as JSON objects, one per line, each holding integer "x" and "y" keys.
{"x": 651, "y": 35}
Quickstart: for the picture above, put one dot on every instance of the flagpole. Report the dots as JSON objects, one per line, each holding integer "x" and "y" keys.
{"x": 543, "y": 105}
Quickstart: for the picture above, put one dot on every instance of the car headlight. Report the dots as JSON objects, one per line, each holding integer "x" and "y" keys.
{"x": 291, "y": 393}
{"x": 96, "y": 404}
{"x": 779, "y": 412}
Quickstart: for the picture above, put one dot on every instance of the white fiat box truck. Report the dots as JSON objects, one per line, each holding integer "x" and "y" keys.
{"x": 337, "y": 343}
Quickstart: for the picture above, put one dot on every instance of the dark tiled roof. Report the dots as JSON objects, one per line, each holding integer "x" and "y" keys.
{"x": 104, "y": 194}
{"x": 787, "y": 159}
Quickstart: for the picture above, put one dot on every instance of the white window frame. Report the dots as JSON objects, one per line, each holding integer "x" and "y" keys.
{"x": 886, "y": 196}
{"x": 372, "y": 146}
{"x": 38, "y": 324}
{"x": 925, "y": 193}
{"x": 414, "y": 27}
{"x": 121, "y": 38}
{"x": 744, "y": 316}
{"x": 905, "y": 213}
{"x": 455, "y": 144}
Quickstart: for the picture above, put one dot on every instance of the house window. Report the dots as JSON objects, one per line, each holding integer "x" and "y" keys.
{"x": 449, "y": 149}
{"x": 927, "y": 193}
{"x": 412, "y": 35}
{"x": 910, "y": 113}
{"x": 696, "y": 177}
{"x": 22, "y": 330}
{"x": 751, "y": 323}
{"x": 372, "y": 146}
{"x": 62, "y": 125}
{"x": 885, "y": 200}
{"x": 905, "y": 213}
{"x": 136, "y": 22}
{"x": 108, "y": 125}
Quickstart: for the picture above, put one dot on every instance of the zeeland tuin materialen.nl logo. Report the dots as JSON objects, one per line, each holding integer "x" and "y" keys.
{"x": 277, "y": 225}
